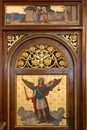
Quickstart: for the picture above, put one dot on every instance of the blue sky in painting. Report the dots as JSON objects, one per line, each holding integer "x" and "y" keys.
{"x": 16, "y": 16}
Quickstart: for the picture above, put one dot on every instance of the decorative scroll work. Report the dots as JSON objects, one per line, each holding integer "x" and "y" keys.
{"x": 11, "y": 39}
{"x": 41, "y": 56}
{"x": 72, "y": 39}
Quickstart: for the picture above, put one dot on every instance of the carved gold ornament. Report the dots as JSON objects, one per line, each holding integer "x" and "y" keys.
{"x": 41, "y": 56}
{"x": 12, "y": 39}
{"x": 72, "y": 39}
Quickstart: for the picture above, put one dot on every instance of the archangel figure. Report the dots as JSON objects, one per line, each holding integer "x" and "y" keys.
{"x": 41, "y": 107}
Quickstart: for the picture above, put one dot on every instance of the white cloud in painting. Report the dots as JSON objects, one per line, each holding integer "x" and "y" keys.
{"x": 29, "y": 118}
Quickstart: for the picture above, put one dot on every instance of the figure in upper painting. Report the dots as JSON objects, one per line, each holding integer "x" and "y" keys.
{"x": 45, "y": 14}
{"x": 37, "y": 14}
{"x": 39, "y": 100}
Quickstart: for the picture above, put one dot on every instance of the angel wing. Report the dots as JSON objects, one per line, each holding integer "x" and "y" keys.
{"x": 53, "y": 83}
{"x": 29, "y": 84}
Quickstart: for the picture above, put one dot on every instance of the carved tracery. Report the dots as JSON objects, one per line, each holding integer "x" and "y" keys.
{"x": 41, "y": 56}
{"x": 12, "y": 39}
{"x": 72, "y": 39}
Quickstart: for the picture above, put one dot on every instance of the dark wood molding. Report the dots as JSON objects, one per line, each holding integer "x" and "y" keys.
{"x": 83, "y": 73}
{"x": 28, "y": 30}
{"x": 2, "y": 125}
{"x": 1, "y": 92}
{"x": 43, "y": 1}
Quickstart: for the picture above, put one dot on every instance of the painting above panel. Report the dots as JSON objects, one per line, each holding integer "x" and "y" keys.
{"x": 41, "y": 15}
{"x": 41, "y": 105}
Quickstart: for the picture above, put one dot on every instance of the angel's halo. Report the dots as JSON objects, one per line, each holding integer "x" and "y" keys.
{"x": 41, "y": 76}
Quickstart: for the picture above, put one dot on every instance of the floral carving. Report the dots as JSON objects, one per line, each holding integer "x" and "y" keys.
{"x": 41, "y": 56}
{"x": 72, "y": 39}
{"x": 11, "y": 39}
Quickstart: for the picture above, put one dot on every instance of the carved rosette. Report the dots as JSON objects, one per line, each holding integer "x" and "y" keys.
{"x": 12, "y": 39}
{"x": 41, "y": 56}
{"x": 72, "y": 39}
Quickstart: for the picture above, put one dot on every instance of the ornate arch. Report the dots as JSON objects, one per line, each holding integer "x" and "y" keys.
{"x": 56, "y": 38}
{"x": 55, "y": 48}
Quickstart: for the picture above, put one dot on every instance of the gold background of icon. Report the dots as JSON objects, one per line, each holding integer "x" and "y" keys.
{"x": 55, "y": 98}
